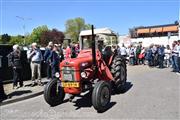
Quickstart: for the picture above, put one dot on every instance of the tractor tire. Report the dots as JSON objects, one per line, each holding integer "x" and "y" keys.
{"x": 119, "y": 72}
{"x": 54, "y": 93}
{"x": 101, "y": 96}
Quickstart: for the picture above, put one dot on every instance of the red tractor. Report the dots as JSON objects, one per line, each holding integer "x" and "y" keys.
{"x": 93, "y": 71}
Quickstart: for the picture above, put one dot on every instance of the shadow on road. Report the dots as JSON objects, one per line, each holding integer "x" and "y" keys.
{"x": 110, "y": 105}
{"x": 83, "y": 101}
{"x": 30, "y": 84}
{"x": 18, "y": 93}
{"x": 86, "y": 101}
{"x": 125, "y": 88}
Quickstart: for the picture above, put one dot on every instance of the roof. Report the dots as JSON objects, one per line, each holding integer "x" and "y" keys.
{"x": 157, "y": 26}
{"x": 106, "y": 31}
{"x": 158, "y": 29}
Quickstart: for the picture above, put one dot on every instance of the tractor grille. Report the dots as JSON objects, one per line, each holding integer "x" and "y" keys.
{"x": 68, "y": 74}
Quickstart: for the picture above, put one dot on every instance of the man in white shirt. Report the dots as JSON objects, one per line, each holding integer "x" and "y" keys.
{"x": 123, "y": 51}
{"x": 175, "y": 56}
{"x": 35, "y": 57}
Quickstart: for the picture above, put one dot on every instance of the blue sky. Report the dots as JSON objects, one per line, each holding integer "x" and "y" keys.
{"x": 119, "y": 15}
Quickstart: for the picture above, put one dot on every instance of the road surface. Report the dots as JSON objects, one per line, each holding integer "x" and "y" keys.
{"x": 152, "y": 93}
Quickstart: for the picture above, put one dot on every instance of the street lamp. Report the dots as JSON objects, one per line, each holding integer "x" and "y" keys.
{"x": 24, "y": 26}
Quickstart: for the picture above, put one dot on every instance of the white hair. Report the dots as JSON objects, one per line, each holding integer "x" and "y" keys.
{"x": 15, "y": 47}
{"x": 50, "y": 43}
{"x": 34, "y": 44}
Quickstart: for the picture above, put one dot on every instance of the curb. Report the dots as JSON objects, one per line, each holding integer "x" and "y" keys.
{"x": 21, "y": 98}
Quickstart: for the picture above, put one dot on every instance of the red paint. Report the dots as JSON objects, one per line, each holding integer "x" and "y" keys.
{"x": 85, "y": 56}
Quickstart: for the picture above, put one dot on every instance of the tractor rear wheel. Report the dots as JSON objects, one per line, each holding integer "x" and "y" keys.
{"x": 119, "y": 72}
{"x": 54, "y": 93}
{"x": 101, "y": 96}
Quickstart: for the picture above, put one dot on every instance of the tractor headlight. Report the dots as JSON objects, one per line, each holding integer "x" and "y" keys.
{"x": 57, "y": 75}
{"x": 83, "y": 74}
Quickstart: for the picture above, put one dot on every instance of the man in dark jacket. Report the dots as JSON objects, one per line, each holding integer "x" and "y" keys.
{"x": 46, "y": 55}
{"x": 149, "y": 56}
{"x": 16, "y": 63}
{"x": 161, "y": 55}
{"x": 55, "y": 58}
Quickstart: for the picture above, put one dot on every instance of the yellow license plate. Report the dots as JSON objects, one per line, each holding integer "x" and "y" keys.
{"x": 70, "y": 84}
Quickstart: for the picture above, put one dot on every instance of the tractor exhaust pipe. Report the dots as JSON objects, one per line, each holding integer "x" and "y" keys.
{"x": 93, "y": 48}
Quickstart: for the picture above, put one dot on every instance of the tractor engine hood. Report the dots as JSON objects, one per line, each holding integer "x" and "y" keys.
{"x": 84, "y": 59}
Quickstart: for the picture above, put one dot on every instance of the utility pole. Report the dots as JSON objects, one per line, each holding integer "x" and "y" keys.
{"x": 24, "y": 26}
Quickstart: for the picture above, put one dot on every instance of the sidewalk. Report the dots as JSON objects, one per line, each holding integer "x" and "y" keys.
{"x": 25, "y": 92}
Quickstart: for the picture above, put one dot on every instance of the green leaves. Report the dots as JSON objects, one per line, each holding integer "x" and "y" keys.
{"x": 5, "y": 38}
{"x": 17, "y": 40}
{"x": 36, "y": 34}
{"x": 74, "y": 27}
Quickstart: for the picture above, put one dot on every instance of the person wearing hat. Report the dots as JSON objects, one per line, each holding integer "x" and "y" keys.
{"x": 35, "y": 57}
{"x": 46, "y": 55}
{"x": 15, "y": 59}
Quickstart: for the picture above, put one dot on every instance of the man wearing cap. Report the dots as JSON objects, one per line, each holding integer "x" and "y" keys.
{"x": 36, "y": 57}
{"x": 46, "y": 55}
{"x": 15, "y": 60}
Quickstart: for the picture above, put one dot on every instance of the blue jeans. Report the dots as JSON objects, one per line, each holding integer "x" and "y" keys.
{"x": 17, "y": 77}
{"x": 175, "y": 63}
{"x": 179, "y": 62}
{"x": 131, "y": 60}
{"x": 161, "y": 60}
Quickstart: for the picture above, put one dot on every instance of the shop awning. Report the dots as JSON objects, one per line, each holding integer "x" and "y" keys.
{"x": 170, "y": 29}
{"x": 144, "y": 30}
{"x": 152, "y": 30}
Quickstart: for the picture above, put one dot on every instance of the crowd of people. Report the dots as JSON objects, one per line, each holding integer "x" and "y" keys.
{"x": 54, "y": 54}
{"x": 154, "y": 55}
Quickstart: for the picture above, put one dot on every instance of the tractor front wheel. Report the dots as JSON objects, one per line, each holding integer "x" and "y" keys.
{"x": 101, "y": 96}
{"x": 54, "y": 93}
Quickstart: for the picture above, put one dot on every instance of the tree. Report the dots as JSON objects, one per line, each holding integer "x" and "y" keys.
{"x": 53, "y": 35}
{"x": 17, "y": 40}
{"x": 5, "y": 38}
{"x": 74, "y": 27}
{"x": 36, "y": 34}
{"x": 88, "y": 27}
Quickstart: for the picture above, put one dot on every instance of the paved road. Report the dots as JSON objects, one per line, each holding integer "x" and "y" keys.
{"x": 152, "y": 94}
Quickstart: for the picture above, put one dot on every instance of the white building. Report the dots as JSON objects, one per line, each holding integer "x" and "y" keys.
{"x": 161, "y": 34}
{"x": 165, "y": 40}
